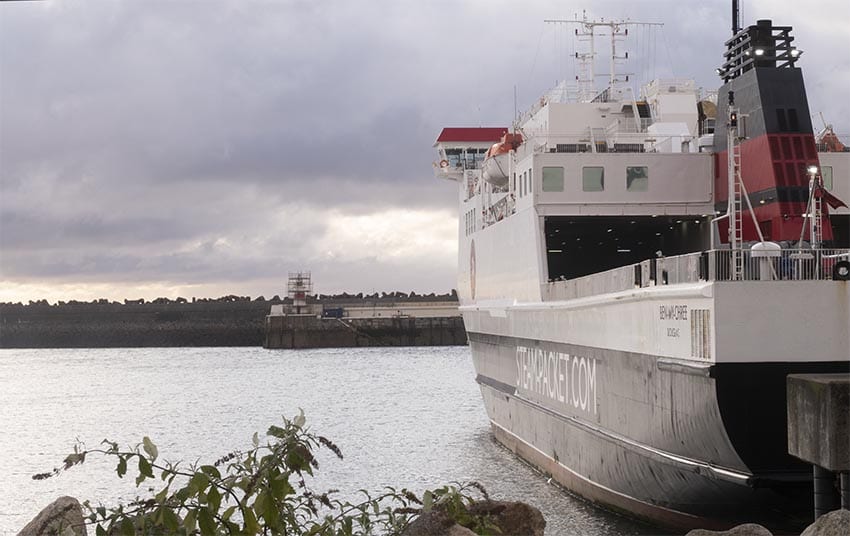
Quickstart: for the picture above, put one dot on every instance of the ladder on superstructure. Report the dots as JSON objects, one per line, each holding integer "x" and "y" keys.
{"x": 816, "y": 213}
{"x": 736, "y": 195}
{"x": 814, "y": 210}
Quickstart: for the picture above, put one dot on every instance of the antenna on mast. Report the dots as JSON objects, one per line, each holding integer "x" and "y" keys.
{"x": 588, "y": 31}
{"x": 736, "y": 21}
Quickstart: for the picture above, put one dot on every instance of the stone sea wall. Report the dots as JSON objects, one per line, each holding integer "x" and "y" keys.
{"x": 313, "y": 332}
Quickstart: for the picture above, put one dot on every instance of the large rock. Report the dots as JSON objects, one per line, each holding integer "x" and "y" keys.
{"x": 434, "y": 523}
{"x": 748, "y": 529}
{"x": 511, "y": 518}
{"x": 63, "y": 517}
{"x": 835, "y": 523}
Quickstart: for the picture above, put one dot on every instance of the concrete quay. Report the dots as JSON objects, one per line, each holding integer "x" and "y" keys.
{"x": 819, "y": 433}
{"x": 312, "y": 331}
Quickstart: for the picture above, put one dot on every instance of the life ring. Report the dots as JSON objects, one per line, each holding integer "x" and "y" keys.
{"x": 444, "y": 163}
{"x": 841, "y": 271}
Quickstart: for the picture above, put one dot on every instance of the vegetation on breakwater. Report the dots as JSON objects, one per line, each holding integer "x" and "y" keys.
{"x": 226, "y": 321}
{"x": 265, "y": 490}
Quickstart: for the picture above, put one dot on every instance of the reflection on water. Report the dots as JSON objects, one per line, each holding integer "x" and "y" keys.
{"x": 406, "y": 417}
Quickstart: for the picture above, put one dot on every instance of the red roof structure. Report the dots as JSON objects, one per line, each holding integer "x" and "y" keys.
{"x": 471, "y": 134}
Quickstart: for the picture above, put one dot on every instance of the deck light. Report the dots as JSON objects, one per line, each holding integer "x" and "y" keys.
{"x": 795, "y": 52}
{"x": 759, "y": 52}
{"x": 812, "y": 170}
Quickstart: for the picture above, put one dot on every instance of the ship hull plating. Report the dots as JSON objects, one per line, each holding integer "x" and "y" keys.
{"x": 660, "y": 439}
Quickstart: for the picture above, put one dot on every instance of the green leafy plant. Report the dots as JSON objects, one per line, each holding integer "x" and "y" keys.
{"x": 262, "y": 490}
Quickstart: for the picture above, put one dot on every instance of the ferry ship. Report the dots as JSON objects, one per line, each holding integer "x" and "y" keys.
{"x": 640, "y": 271}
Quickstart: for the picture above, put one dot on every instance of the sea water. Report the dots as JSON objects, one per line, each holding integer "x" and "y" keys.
{"x": 403, "y": 417}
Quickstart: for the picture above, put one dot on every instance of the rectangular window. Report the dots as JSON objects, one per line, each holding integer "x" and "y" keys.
{"x": 826, "y": 174}
{"x": 528, "y": 182}
{"x": 553, "y": 179}
{"x": 637, "y": 178}
{"x": 593, "y": 179}
{"x": 780, "y": 118}
{"x": 793, "y": 122}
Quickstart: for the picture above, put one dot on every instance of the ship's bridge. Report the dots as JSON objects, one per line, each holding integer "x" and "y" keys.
{"x": 463, "y": 148}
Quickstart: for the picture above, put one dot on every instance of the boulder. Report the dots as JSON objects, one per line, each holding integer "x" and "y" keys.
{"x": 63, "y": 517}
{"x": 747, "y": 529}
{"x": 514, "y": 518}
{"x": 835, "y": 523}
{"x": 433, "y": 523}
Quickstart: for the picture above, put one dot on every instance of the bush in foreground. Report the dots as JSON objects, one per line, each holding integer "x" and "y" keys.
{"x": 260, "y": 491}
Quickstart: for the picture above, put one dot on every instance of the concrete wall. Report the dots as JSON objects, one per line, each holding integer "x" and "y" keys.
{"x": 308, "y": 331}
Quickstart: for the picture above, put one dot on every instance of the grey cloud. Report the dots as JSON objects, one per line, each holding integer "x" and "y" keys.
{"x": 135, "y": 136}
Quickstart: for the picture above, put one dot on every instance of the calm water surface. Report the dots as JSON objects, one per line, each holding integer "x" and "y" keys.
{"x": 406, "y": 417}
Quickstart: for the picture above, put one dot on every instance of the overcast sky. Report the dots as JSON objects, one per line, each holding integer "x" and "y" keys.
{"x": 203, "y": 148}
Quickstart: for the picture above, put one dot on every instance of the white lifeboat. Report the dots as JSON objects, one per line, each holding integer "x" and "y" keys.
{"x": 495, "y": 167}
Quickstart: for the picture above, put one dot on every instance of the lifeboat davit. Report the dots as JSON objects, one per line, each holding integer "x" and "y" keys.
{"x": 495, "y": 167}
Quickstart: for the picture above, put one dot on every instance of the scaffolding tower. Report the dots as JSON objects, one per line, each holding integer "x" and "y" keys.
{"x": 299, "y": 286}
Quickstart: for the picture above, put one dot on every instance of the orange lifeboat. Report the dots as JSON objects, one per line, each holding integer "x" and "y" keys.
{"x": 495, "y": 167}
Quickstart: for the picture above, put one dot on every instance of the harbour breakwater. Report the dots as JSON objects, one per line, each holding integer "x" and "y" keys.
{"x": 309, "y": 331}
{"x": 227, "y": 321}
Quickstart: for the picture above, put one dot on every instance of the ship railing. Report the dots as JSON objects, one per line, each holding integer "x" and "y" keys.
{"x": 599, "y": 140}
{"x": 670, "y": 85}
{"x": 715, "y": 265}
{"x": 781, "y": 265}
{"x": 628, "y": 125}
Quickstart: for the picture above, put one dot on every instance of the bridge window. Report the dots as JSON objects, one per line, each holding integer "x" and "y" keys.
{"x": 593, "y": 179}
{"x": 553, "y": 179}
{"x": 454, "y": 156}
{"x": 637, "y": 178}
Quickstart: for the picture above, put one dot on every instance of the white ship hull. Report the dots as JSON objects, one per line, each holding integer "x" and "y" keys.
{"x": 668, "y": 426}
